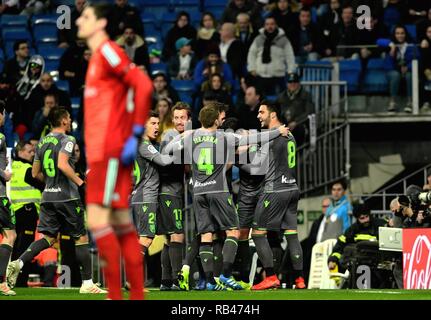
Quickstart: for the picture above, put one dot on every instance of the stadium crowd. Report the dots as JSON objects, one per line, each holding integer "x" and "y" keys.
{"x": 232, "y": 58}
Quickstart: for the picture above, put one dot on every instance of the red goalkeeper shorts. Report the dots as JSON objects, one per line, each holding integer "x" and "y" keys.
{"x": 109, "y": 184}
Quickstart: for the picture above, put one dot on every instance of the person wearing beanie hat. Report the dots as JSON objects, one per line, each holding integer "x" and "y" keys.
{"x": 182, "y": 65}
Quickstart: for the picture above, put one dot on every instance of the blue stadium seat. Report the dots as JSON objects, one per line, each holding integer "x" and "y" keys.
{"x": 51, "y": 65}
{"x": 69, "y": 3}
{"x": 136, "y": 3}
{"x": 375, "y": 80}
{"x": 63, "y": 85}
{"x": 1, "y": 65}
{"x": 45, "y": 31}
{"x": 2, "y": 57}
{"x": 154, "y": 40}
{"x": 158, "y": 68}
{"x": 156, "y": 7}
{"x": 13, "y": 34}
{"x": 49, "y": 53}
{"x": 150, "y": 23}
{"x": 411, "y": 29}
{"x": 309, "y": 73}
{"x": 45, "y": 46}
{"x": 182, "y": 85}
{"x": 391, "y": 16}
{"x": 215, "y": 3}
{"x": 350, "y": 71}
{"x": 185, "y": 5}
{"x": 44, "y": 19}
{"x": 12, "y": 20}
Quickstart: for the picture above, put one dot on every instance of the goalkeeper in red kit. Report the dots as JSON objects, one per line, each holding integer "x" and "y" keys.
{"x": 117, "y": 99}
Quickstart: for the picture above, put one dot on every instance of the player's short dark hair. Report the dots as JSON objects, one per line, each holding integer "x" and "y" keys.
{"x": 180, "y": 105}
{"x": 104, "y": 10}
{"x": 18, "y": 43}
{"x": 56, "y": 115}
{"x": 207, "y": 116}
{"x": 153, "y": 114}
{"x": 219, "y": 106}
{"x": 273, "y": 106}
{"x": 231, "y": 123}
{"x": 343, "y": 183}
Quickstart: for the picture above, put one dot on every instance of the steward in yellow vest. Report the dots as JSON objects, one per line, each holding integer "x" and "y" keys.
{"x": 25, "y": 195}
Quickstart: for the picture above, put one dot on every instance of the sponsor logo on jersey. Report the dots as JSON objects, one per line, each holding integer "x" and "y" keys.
{"x": 285, "y": 180}
{"x": 200, "y": 184}
{"x": 52, "y": 189}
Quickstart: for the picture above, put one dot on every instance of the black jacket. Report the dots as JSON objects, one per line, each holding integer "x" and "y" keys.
{"x": 174, "y": 66}
{"x": 126, "y": 16}
{"x": 237, "y": 58}
{"x": 247, "y": 117}
{"x": 71, "y": 61}
{"x": 315, "y": 36}
{"x": 355, "y": 233}
{"x": 343, "y": 35}
{"x": 13, "y": 71}
{"x": 251, "y": 7}
{"x": 173, "y": 35}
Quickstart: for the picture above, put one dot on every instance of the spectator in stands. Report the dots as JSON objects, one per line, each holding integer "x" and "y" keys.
{"x": 124, "y": 14}
{"x": 244, "y": 83}
{"x": 331, "y": 17}
{"x": 270, "y": 57}
{"x": 248, "y": 111}
{"x": 398, "y": 64}
{"x": 181, "y": 29}
{"x": 236, "y": 7}
{"x": 15, "y": 68}
{"x": 308, "y": 243}
{"x": 32, "y": 7}
{"x": 207, "y": 35}
{"x": 41, "y": 126}
{"x": 31, "y": 77}
{"x": 163, "y": 108}
{"x": 67, "y": 37}
{"x": 306, "y": 38}
{"x": 296, "y": 105}
{"x": 417, "y": 10}
{"x": 344, "y": 33}
{"x": 135, "y": 47}
{"x": 162, "y": 89}
{"x": 426, "y": 70}
{"x": 217, "y": 89}
{"x": 286, "y": 14}
{"x": 336, "y": 220}
{"x": 231, "y": 50}
{"x": 9, "y": 7}
{"x": 423, "y": 25}
{"x": 212, "y": 64}
{"x": 37, "y": 98}
{"x": 70, "y": 64}
{"x": 369, "y": 37}
{"x": 244, "y": 30}
{"x": 182, "y": 65}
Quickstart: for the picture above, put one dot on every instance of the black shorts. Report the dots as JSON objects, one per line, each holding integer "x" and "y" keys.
{"x": 170, "y": 218}
{"x": 246, "y": 209}
{"x": 7, "y": 215}
{"x": 214, "y": 212}
{"x": 65, "y": 217}
{"x": 277, "y": 211}
{"x": 145, "y": 218}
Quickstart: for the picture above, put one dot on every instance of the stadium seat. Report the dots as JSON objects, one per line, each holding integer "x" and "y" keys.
{"x": 51, "y": 65}
{"x": 350, "y": 71}
{"x": 215, "y": 3}
{"x": 156, "y": 7}
{"x": 391, "y": 16}
{"x": 44, "y": 19}
{"x": 69, "y": 3}
{"x": 158, "y": 68}
{"x": 63, "y": 85}
{"x": 13, "y": 34}
{"x": 150, "y": 23}
{"x": 316, "y": 71}
{"x": 375, "y": 80}
{"x": 45, "y": 46}
{"x": 184, "y": 88}
{"x": 185, "y": 5}
{"x": 12, "y": 20}
{"x": 2, "y": 57}
{"x": 45, "y": 31}
{"x": 411, "y": 29}
{"x": 49, "y": 53}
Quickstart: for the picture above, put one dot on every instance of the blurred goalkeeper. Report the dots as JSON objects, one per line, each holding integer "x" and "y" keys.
{"x": 117, "y": 99}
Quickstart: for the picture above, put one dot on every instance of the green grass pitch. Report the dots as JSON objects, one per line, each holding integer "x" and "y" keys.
{"x": 155, "y": 294}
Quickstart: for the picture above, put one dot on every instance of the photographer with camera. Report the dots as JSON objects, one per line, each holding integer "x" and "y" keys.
{"x": 414, "y": 208}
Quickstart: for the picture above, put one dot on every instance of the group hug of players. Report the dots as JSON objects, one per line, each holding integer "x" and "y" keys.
{"x": 267, "y": 199}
